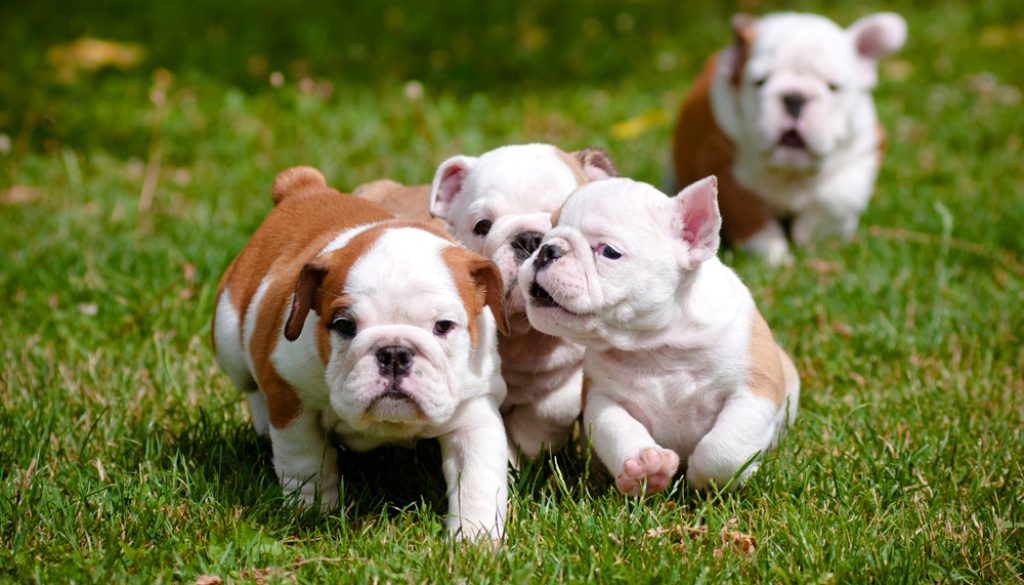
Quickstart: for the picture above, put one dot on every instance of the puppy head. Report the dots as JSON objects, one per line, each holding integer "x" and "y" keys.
{"x": 796, "y": 83}
{"x": 500, "y": 204}
{"x": 400, "y": 324}
{"x": 619, "y": 256}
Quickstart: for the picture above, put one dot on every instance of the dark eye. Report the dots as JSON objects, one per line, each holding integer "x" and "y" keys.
{"x": 608, "y": 252}
{"x": 442, "y": 328}
{"x": 759, "y": 82}
{"x": 482, "y": 227}
{"x": 344, "y": 326}
{"x": 833, "y": 87}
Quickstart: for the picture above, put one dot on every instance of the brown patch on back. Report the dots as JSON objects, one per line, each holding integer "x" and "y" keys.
{"x": 479, "y": 283}
{"x": 574, "y": 165}
{"x": 700, "y": 148}
{"x": 766, "y": 377}
{"x": 405, "y": 202}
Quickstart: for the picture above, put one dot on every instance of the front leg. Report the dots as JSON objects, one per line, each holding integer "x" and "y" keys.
{"x": 545, "y": 423}
{"x": 626, "y": 448}
{"x": 475, "y": 463}
{"x": 744, "y": 429}
{"x": 306, "y": 464}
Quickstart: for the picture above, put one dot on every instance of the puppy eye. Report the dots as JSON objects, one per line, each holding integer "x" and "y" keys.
{"x": 833, "y": 87}
{"x": 608, "y": 252}
{"x": 444, "y": 327}
{"x": 343, "y": 326}
{"x": 482, "y": 227}
{"x": 759, "y": 82}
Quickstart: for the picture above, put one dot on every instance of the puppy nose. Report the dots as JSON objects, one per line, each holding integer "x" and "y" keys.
{"x": 394, "y": 361}
{"x": 548, "y": 253}
{"x": 794, "y": 102}
{"x": 525, "y": 243}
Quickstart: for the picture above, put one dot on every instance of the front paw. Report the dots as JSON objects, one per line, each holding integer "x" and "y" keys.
{"x": 648, "y": 473}
{"x": 306, "y": 494}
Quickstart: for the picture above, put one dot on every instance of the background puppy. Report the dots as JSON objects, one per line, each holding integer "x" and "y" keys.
{"x": 784, "y": 118}
{"x": 402, "y": 201}
{"x": 679, "y": 362}
{"x": 312, "y": 323}
{"x": 500, "y": 205}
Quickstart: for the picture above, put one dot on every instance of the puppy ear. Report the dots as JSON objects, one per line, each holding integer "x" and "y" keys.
{"x": 696, "y": 220}
{"x": 305, "y": 295}
{"x": 448, "y": 182}
{"x": 744, "y": 29}
{"x": 596, "y": 163}
{"x": 487, "y": 277}
{"x": 874, "y": 37}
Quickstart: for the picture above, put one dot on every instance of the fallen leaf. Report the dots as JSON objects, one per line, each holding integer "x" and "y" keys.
{"x": 208, "y": 580}
{"x": 20, "y": 194}
{"x": 92, "y": 54}
{"x": 637, "y": 125}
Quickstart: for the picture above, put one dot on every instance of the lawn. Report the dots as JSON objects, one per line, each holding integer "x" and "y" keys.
{"x": 125, "y": 455}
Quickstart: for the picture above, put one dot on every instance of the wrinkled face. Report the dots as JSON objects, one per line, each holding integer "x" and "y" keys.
{"x": 397, "y": 322}
{"x": 504, "y": 208}
{"x": 609, "y": 267}
{"x": 800, "y": 89}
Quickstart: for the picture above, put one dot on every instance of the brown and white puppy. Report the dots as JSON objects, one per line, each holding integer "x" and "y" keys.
{"x": 784, "y": 118}
{"x": 499, "y": 205}
{"x": 680, "y": 364}
{"x": 338, "y": 318}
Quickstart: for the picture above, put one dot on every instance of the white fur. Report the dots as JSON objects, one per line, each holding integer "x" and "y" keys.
{"x": 457, "y": 388}
{"x": 517, "y": 188}
{"x": 825, "y": 186}
{"x": 667, "y": 328}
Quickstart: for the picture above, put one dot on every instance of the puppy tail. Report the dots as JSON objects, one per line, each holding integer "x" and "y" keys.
{"x": 296, "y": 180}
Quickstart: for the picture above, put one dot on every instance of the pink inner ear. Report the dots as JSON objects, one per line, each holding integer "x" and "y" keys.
{"x": 451, "y": 182}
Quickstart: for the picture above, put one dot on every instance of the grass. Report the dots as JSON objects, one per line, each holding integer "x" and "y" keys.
{"x": 125, "y": 455}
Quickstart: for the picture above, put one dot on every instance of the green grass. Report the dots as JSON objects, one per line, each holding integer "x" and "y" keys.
{"x": 125, "y": 455}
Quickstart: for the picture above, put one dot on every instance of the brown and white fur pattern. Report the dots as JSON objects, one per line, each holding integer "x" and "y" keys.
{"x": 680, "y": 365}
{"x": 313, "y": 323}
{"x": 784, "y": 118}
{"x": 499, "y": 205}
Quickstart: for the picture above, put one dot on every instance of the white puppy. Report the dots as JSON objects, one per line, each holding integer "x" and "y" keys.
{"x": 679, "y": 362}
{"x": 313, "y": 324}
{"x": 784, "y": 118}
{"x": 499, "y": 205}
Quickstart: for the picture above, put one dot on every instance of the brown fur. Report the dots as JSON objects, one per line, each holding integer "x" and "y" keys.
{"x": 700, "y": 148}
{"x": 295, "y": 230}
{"x": 767, "y": 377}
{"x": 405, "y": 202}
{"x": 479, "y": 283}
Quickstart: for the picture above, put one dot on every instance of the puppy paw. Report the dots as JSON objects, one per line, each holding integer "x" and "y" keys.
{"x": 648, "y": 473}
{"x": 308, "y": 494}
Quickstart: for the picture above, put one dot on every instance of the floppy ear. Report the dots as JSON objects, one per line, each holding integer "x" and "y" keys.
{"x": 596, "y": 163}
{"x": 744, "y": 29}
{"x": 305, "y": 295}
{"x": 696, "y": 219}
{"x": 448, "y": 182}
{"x": 488, "y": 279}
{"x": 874, "y": 37}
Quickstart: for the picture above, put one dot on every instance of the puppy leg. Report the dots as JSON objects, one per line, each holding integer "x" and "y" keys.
{"x": 258, "y": 412}
{"x": 817, "y": 223}
{"x": 306, "y": 464}
{"x": 475, "y": 465}
{"x": 545, "y": 424}
{"x": 626, "y": 448}
{"x": 745, "y": 427}
{"x": 770, "y": 243}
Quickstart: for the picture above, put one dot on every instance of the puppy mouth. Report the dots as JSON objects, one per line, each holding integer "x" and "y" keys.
{"x": 540, "y": 297}
{"x": 792, "y": 139}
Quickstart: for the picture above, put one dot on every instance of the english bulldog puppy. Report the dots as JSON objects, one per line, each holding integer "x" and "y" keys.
{"x": 499, "y": 205}
{"x": 680, "y": 365}
{"x": 337, "y": 319}
{"x": 784, "y": 118}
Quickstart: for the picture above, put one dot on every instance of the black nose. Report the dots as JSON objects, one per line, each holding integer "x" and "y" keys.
{"x": 525, "y": 243}
{"x": 548, "y": 253}
{"x": 794, "y": 102}
{"x": 394, "y": 361}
